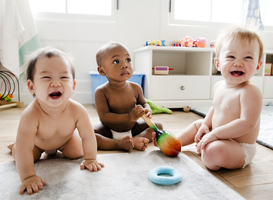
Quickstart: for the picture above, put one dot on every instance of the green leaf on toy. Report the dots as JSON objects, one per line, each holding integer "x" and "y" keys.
{"x": 155, "y": 109}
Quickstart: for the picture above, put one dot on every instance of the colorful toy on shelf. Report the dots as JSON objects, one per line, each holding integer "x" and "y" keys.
{"x": 212, "y": 44}
{"x": 156, "y": 43}
{"x": 187, "y": 42}
{"x": 176, "y": 43}
{"x": 166, "y": 141}
{"x": 202, "y": 42}
{"x": 162, "y": 70}
{"x": 194, "y": 44}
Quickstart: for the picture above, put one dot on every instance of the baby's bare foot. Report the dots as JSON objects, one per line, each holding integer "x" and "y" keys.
{"x": 10, "y": 146}
{"x": 140, "y": 143}
{"x": 126, "y": 143}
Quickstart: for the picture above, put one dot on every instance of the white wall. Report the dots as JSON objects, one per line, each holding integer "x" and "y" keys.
{"x": 138, "y": 21}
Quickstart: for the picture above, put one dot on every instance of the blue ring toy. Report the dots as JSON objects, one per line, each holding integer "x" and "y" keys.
{"x": 163, "y": 180}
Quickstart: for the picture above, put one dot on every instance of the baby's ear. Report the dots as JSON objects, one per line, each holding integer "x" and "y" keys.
{"x": 101, "y": 71}
{"x": 30, "y": 86}
{"x": 74, "y": 86}
{"x": 259, "y": 66}
{"x": 216, "y": 62}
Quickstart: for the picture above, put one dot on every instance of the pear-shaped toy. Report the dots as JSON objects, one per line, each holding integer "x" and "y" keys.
{"x": 166, "y": 141}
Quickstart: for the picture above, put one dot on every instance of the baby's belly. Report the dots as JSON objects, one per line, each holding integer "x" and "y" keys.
{"x": 54, "y": 142}
{"x": 220, "y": 119}
{"x": 249, "y": 137}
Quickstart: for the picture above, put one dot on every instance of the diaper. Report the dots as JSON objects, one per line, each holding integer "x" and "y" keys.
{"x": 250, "y": 151}
{"x": 51, "y": 152}
{"x": 121, "y": 135}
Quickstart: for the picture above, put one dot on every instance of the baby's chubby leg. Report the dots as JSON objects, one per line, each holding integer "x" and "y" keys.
{"x": 186, "y": 137}
{"x": 105, "y": 141}
{"x": 73, "y": 148}
{"x": 223, "y": 153}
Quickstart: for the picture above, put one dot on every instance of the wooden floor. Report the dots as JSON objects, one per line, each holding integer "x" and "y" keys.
{"x": 254, "y": 182}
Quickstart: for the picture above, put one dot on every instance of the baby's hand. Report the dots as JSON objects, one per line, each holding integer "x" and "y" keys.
{"x": 204, "y": 129}
{"x": 32, "y": 185}
{"x": 136, "y": 113}
{"x": 148, "y": 112}
{"x": 91, "y": 165}
{"x": 208, "y": 138}
{"x": 154, "y": 139}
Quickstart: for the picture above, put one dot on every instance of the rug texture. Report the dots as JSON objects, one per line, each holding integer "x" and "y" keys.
{"x": 125, "y": 176}
{"x": 265, "y": 136}
{"x": 266, "y": 127}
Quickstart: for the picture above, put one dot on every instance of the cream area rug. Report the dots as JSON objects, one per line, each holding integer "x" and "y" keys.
{"x": 125, "y": 176}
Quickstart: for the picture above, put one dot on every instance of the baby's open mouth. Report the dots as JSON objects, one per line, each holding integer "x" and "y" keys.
{"x": 55, "y": 95}
{"x": 237, "y": 73}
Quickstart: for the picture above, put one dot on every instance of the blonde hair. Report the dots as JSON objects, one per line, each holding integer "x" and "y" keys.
{"x": 240, "y": 33}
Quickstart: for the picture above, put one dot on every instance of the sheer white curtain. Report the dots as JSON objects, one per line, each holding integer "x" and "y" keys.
{"x": 251, "y": 15}
{"x": 18, "y": 34}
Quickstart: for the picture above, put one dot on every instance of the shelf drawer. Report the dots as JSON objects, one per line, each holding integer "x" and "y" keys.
{"x": 179, "y": 87}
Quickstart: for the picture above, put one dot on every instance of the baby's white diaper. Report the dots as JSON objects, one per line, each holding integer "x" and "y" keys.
{"x": 250, "y": 151}
{"x": 121, "y": 135}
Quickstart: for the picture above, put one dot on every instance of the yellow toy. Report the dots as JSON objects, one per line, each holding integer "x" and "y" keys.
{"x": 156, "y": 43}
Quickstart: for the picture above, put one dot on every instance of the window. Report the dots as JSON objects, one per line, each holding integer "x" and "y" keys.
{"x": 105, "y": 10}
{"x": 208, "y": 12}
{"x": 266, "y": 12}
{"x": 197, "y": 12}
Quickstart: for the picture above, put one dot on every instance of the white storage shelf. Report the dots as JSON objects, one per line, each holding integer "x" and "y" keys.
{"x": 191, "y": 81}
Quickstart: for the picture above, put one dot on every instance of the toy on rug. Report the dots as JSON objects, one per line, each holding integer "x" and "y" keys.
{"x": 202, "y": 42}
{"x": 174, "y": 177}
{"x": 166, "y": 141}
{"x": 155, "y": 109}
